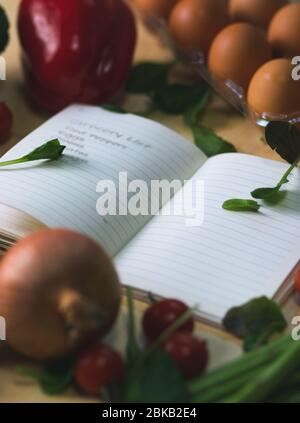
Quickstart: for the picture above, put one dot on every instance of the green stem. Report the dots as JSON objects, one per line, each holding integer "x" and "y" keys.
{"x": 225, "y": 389}
{"x": 132, "y": 348}
{"x": 169, "y": 331}
{"x": 270, "y": 377}
{"x": 248, "y": 362}
{"x": 284, "y": 179}
{"x": 13, "y": 162}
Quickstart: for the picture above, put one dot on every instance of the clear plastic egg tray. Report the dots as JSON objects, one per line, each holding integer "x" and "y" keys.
{"x": 231, "y": 92}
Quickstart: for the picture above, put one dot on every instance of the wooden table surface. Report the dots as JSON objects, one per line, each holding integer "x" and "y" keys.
{"x": 225, "y": 121}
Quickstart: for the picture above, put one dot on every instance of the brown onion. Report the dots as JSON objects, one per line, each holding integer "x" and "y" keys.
{"x": 57, "y": 288}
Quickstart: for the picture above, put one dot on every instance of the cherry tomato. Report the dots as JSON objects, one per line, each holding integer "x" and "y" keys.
{"x": 97, "y": 366}
{"x": 189, "y": 353}
{"x": 6, "y": 122}
{"x": 297, "y": 280}
{"x": 163, "y": 314}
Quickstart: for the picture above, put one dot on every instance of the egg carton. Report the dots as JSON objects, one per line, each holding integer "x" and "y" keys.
{"x": 228, "y": 89}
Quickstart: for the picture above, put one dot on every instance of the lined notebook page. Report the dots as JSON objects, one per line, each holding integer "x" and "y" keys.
{"x": 100, "y": 144}
{"x": 232, "y": 257}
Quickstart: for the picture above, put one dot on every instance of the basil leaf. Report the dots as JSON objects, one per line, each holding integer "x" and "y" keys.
{"x": 255, "y": 322}
{"x": 240, "y": 205}
{"x": 175, "y": 99}
{"x": 284, "y": 138}
{"x": 210, "y": 143}
{"x": 146, "y": 77}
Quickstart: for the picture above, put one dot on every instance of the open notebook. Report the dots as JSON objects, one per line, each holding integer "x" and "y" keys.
{"x": 226, "y": 260}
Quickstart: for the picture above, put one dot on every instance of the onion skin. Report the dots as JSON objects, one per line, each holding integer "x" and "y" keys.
{"x": 57, "y": 289}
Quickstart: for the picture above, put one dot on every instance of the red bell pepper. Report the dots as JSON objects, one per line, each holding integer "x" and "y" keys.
{"x": 76, "y": 50}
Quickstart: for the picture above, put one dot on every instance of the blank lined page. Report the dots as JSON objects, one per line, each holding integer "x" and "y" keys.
{"x": 232, "y": 257}
{"x": 100, "y": 144}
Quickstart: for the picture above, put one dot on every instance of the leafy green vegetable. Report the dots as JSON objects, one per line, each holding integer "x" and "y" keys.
{"x": 175, "y": 99}
{"x": 113, "y": 108}
{"x": 241, "y": 205}
{"x": 210, "y": 143}
{"x": 193, "y": 113}
{"x": 222, "y": 382}
{"x": 273, "y": 193}
{"x": 54, "y": 378}
{"x": 270, "y": 378}
{"x": 147, "y": 77}
{"x": 158, "y": 381}
{"x": 51, "y": 150}
{"x": 256, "y": 322}
{"x": 151, "y": 374}
{"x": 284, "y": 138}
{"x": 4, "y": 29}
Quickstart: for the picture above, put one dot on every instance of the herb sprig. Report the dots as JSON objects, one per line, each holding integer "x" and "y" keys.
{"x": 51, "y": 150}
{"x": 284, "y": 138}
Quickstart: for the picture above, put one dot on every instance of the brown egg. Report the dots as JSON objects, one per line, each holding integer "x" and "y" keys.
{"x": 256, "y": 12}
{"x": 284, "y": 31}
{"x": 195, "y": 23}
{"x": 237, "y": 52}
{"x": 157, "y": 8}
{"x": 272, "y": 89}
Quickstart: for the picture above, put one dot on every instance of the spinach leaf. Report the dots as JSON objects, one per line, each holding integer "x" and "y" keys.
{"x": 284, "y": 138}
{"x": 210, "y": 143}
{"x": 157, "y": 381}
{"x": 54, "y": 378}
{"x": 241, "y": 205}
{"x": 255, "y": 322}
{"x": 175, "y": 99}
{"x": 147, "y": 76}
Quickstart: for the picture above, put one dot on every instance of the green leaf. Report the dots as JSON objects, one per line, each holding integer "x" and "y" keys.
{"x": 210, "y": 143}
{"x": 4, "y": 29}
{"x": 284, "y": 138}
{"x": 51, "y": 150}
{"x": 240, "y": 205}
{"x": 193, "y": 113}
{"x": 54, "y": 378}
{"x": 158, "y": 381}
{"x": 146, "y": 77}
{"x": 274, "y": 195}
{"x": 255, "y": 322}
{"x": 175, "y": 99}
{"x": 113, "y": 108}
{"x": 265, "y": 193}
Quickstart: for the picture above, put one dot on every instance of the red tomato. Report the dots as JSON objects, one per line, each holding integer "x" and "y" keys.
{"x": 6, "y": 122}
{"x": 97, "y": 366}
{"x": 297, "y": 280}
{"x": 163, "y": 314}
{"x": 189, "y": 353}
